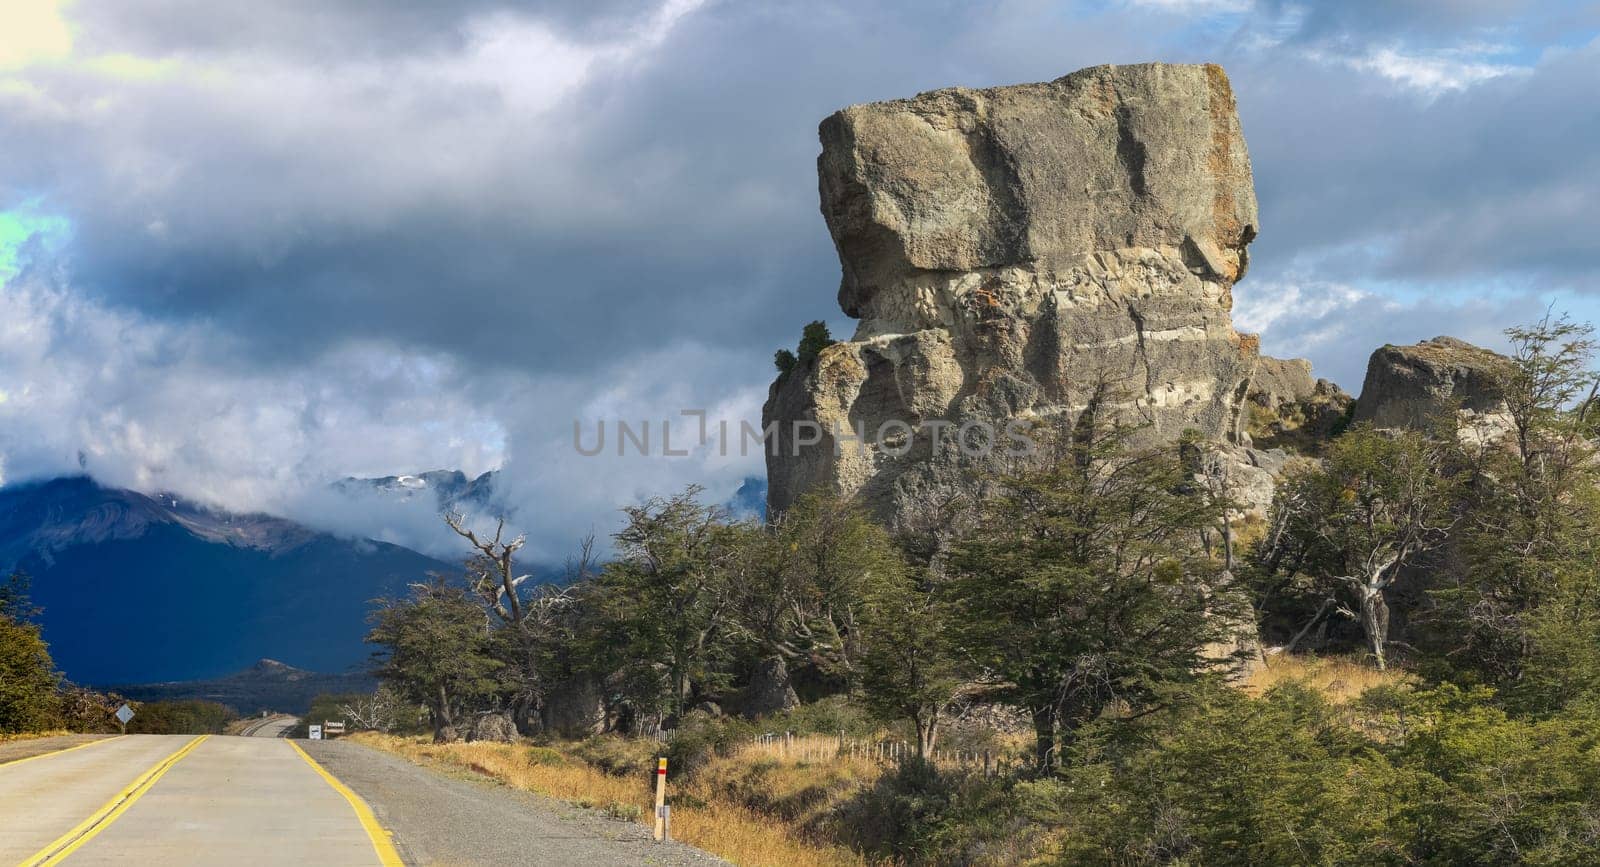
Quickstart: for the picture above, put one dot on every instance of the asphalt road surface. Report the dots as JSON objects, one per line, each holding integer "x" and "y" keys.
{"x": 271, "y": 727}
{"x": 219, "y": 800}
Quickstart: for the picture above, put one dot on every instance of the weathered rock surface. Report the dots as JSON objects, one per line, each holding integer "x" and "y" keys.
{"x": 769, "y": 691}
{"x": 1286, "y": 408}
{"x": 496, "y": 727}
{"x": 575, "y": 709}
{"x": 1411, "y": 386}
{"x": 1279, "y": 383}
{"x": 1018, "y": 253}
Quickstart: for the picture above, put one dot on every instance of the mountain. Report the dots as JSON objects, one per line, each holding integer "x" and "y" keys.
{"x": 445, "y": 490}
{"x": 139, "y": 588}
{"x": 268, "y": 685}
{"x": 440, "y": 489}
{"x": 750, "y": 501}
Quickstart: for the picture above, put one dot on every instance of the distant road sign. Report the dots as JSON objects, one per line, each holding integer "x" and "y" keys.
{"x": 124, "y": 714}
{"x": 333, "y": 728}
{"x": 316, "y": 732}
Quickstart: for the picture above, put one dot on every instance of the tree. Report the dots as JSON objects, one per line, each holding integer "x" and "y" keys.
{"x": 1529, "y": 537}
{"x": 784, "y": 360}
{"x": 1369, "y": 512}
{"x": 911, "y": 669}
{"x": 529, "y": 613}
{"x": 28, "y": 678}
{"x": 809, "y": 576}
{"x": 382, "y": 710}
{"x": 436, "y": 650}
{"x": 813, "y": 339}
{"x": 1085, "y": 585}
{"x": 14, "y": 600}
{"x": 666, "y": 605}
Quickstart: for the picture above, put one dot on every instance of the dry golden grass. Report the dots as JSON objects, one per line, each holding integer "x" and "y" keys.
{"x": 707, "y": 819}
{"x": 28, "y": 736}
{"x": 1339, "y": 678}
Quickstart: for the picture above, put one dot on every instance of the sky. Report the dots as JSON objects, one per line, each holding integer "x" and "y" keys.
{"x": 248, "y": 249}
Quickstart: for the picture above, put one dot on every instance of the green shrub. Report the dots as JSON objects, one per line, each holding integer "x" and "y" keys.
{"x": 700, "y": 738}
{"x": 28, "y": 700}
{"x": 618, "y": 756}
{"x": 826, "y": 716}
{"x": 190, "y": 717}
{"x": 916, "y": 814}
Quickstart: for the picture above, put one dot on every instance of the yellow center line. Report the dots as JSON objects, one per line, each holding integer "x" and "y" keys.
{"x": 14, "y": 762}
{"x": 387, "y": 856}
{"x": 102, "y": 818}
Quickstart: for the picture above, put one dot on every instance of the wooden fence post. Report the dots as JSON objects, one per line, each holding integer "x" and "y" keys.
{"x": 661, "y": 799}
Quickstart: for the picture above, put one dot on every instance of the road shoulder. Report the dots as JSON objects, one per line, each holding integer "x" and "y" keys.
{"x": 27, "y": 748}
{"x": 440, "y": 819}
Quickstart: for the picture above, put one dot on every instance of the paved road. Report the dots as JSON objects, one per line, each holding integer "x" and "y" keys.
{"x": 219, "y": 800}
{"x": 179, "y": 800}
{"x": 277, "y": 726}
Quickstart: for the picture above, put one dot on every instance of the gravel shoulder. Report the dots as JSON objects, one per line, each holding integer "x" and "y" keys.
{"x": 11, "y": 751}
{"x": 440, "y": 819}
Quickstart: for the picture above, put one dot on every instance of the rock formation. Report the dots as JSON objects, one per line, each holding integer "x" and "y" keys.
{"x": 1411, "y": 386}
{"x": 1018, "y": 253}
{"x": 1285, "y": 408}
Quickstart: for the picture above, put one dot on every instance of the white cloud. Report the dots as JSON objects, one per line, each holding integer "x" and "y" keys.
{"x": 1337, "y": 326}
{"x": 1437, "y": 72}
{"x": 1194, "y": 7}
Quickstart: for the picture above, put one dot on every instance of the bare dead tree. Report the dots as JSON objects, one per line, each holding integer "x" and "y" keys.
{"x": 529, "y": 609}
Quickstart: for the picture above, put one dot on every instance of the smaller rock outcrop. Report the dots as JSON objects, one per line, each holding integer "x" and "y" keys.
{"x": 769, "y": 691}
{"x": 495, "y": 727}
{"x": 574, "y": 709}
{"x": 1411, "y": 386}
{"x": 1285, "y": 408}
{"x": 1277, "y": 383}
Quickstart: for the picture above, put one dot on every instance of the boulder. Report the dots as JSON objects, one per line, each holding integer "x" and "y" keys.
{"x": 1278, "y": 383}
{"x": 496, "y": 727}
{"x": 1412, "y": 386}
{"x": 574, "y": 709}
{"x": 1286, "y": 407}
{"x": 769, "y": 691}
{"x": 1018, "y": 254}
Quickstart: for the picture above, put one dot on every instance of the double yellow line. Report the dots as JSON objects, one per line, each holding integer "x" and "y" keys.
{"x": 84, "y": 831}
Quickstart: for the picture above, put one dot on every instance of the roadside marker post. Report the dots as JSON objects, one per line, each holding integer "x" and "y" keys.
{"x": 661, "y": 799}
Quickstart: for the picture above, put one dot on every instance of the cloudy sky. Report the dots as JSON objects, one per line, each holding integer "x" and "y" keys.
{"x": 248, "y": 248}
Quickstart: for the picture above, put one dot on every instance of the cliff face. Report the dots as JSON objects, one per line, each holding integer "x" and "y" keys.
{"x": 1018, "y": 253}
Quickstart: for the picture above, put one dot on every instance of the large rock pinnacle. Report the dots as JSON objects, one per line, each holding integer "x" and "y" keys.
{"x": 1020, "y": 253}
